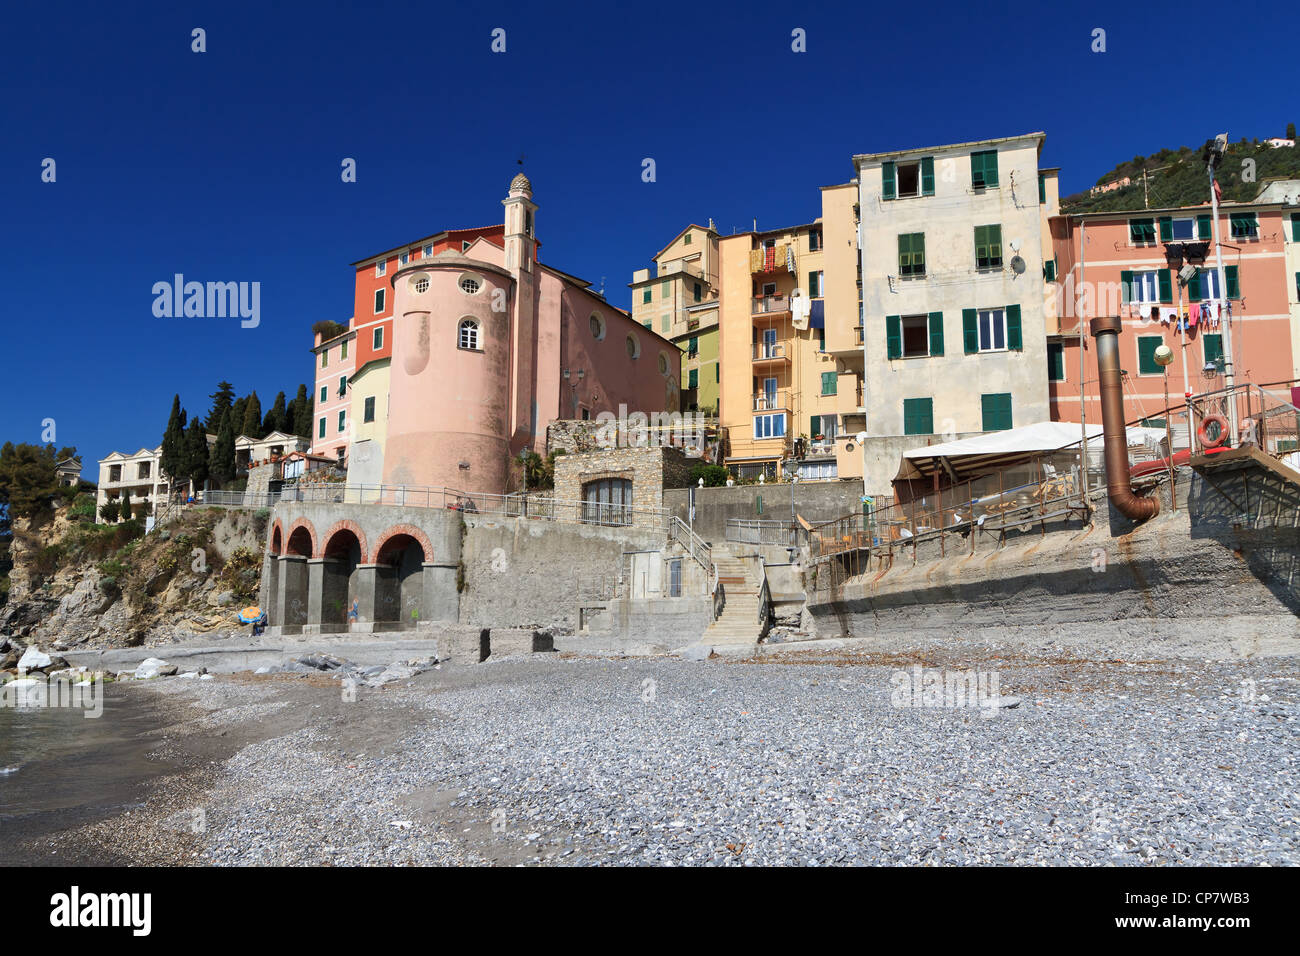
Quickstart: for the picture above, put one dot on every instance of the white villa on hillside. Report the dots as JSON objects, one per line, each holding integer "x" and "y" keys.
{"x": 138, "y": 473}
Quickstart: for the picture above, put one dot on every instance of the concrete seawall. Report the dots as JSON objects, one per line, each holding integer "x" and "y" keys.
{"x": 1199, "y": 581}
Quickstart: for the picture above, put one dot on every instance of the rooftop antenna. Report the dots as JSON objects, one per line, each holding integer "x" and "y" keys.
{"x": 602, "y": 287}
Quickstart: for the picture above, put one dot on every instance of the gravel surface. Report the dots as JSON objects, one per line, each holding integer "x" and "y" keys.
{"x": 798, "y": 760}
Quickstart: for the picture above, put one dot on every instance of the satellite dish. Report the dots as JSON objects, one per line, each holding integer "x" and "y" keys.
{"x": 1017, "y": 265}
{"x": 1015, "y": 245}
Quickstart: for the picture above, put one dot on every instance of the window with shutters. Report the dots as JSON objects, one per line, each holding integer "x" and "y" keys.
{"x": 993, "y": 330}
{"x": 686, "y": 239}
{"x": 1049, "y": 269}
{"x": 1142, "y": 232}
{"x": 988, "y": 247}
{"x": 1182, "y": 227}
{"x": 918, "y": 416}
{"x": 645, "y": 295}
{"x": 692, "y": 346}
{"x": 1244, "y": 225}
{"x": 697, "y": 291}
{"x": 324, "y": 394}
{"x": 1141, "y": 287}
{"x": 377, "y": 339}
{"x": 1147, "y": 345}
{"x": 320, "y": 431}
{"x": 916, "y": 335}
{"x": 909, "y": 180}
{"x": 368, "y": 414}
{"x": 911, "y": 255}
{"x": 984, "y": 169}
{"x": 996, "y": 411}
{"x": 814, "y": 240}
{"x": 815, "y": 284}
{"x": 693, "y": 378}
{"x": 1042, "y": 188}
{"x": 666, "y": 289}
{"x": 343, "y": 419}
{"x": 1212, "y": 342}
{"x": 829, "y": 380}
{"x": 1055, "y": 362}
{"x": 379, "y": 301}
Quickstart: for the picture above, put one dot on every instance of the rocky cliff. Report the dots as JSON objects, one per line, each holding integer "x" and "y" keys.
{"x": 76, "y": 584}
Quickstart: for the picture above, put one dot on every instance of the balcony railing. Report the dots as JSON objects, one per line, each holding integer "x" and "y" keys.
{"x": 860, "y": 332}
{"x": 771, "y": 303}
{"x": 772, "y": 401}
{"x": 768, "y": 351}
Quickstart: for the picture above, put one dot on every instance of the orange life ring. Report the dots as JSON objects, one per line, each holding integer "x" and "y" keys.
{"x": 1223, "y": 431}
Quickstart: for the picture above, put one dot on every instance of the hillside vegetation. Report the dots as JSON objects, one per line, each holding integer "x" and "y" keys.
{"x": 1176, "y": 177}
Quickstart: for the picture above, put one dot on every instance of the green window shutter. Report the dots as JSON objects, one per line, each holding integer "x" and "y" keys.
{"x": 1147, "y": 345}
{"x": 1295, "y": 227}
{"x": 814, "y": 285}
{"x": 645, "y": 296}
{"x": 927, "y": 175}
{"x": 970, "y": 330}
{"x": 1013, "y": 328}
{"x": 1213, "y": 344}
{"x": 996, "y": 411}
{"x": 984, "y": 168}
{"x": 918, "y": 416}
{"x": 717, "y": 371}
{"x": 887, "y": 176}
{"x": 1194, "y": 288}
{"x": 1141, "y": 230}
{"x": 894, "y": 335}
{"x": 1049, "y": 269}
{"x": 814, "y": 425}
{"x": 936, "y": 333}
{"x": 1125, "y": 286}
{"x": 1166, "y": 281}
{"x": 1055, "y": 362}
{"x": 694, "y": 343}
{"x": 694, "y": 378}
{"x": 821, "y": 339}
{"x": 1042, "y": 188}
{"x": 1234, "y": 289}
{"x": 830, "y": 383}
{"x": 1204, "y": 228}
{"x": 1166, "y": 228}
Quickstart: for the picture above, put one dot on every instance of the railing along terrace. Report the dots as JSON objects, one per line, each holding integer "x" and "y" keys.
{"x": 1266, "y": 417}
{"x": 781, "y": 534}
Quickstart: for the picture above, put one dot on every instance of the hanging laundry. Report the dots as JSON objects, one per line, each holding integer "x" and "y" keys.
{"x": 1194, "y": 314}
{"x": 1168, "y": 315}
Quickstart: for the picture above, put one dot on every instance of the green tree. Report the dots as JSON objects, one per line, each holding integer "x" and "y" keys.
{"x": 223, "y": 399}
{"x": 126, "y": 505}
{"x": 1290, "y": 130}
{"x": 302, "y": 416}
{"x": 252, "y": 421}
{"x": 28, "y": 481}
{"x": 110, "y": 511}
{"x": 196, "y": 454}
{"x": 172, "y": 460}
{"x": 275, "y": 418}
{"x": 221, "y": 460}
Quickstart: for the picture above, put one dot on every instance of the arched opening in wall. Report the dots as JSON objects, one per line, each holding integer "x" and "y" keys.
{"x": 271, "y": 603}
{"x": 399, "y": 581}
{"x": 339, "y": 580}
{"x": 293, "y": 580}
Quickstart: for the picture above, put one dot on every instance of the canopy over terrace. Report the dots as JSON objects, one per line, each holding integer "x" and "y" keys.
{"x": 969, "y": 458}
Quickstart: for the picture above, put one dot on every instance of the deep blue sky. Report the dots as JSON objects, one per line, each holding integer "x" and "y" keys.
{"x": 225, "y": 165}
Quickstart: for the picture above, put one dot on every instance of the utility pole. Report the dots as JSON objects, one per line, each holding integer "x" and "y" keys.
{"x": 1213, "y": 156}
{"x": 1146, "y": 198}
{"x": 1078, "y": 311}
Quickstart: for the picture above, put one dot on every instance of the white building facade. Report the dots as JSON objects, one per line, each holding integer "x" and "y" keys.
{"x": 952, "y": 242}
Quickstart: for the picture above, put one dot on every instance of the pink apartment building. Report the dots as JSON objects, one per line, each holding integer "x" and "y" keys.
{"x": 1122, "y": 263}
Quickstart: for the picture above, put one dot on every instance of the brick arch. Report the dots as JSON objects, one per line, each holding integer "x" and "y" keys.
{"x": 311, "y": 532}
{"x": 277, "y": 529}
{"x": 397, "y": 529}
{"x": 346, "y": 524}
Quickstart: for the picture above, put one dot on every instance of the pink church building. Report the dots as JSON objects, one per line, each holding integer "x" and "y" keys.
{"x": 489, "y": 346}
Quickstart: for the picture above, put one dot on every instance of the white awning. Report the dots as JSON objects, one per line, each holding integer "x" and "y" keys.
{"x": 971, "y": 457}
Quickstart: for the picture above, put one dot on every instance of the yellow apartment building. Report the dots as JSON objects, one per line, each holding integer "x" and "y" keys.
{"x": 790, "y": 348}
{"x": 680, "y": 302}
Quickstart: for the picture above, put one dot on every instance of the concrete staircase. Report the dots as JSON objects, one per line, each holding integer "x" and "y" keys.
{"x": 737, "y": 627}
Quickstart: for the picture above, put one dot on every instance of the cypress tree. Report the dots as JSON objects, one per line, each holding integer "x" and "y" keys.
{"x": 126, "y": 504}
{"x": 275, "y": 420}
{"x": 172, "y": 461}
{"x": 221, "y": 462}
{"x": 252, "y": 426}
{"x": 302, "y": 414}
{"x": 196, "y": 454}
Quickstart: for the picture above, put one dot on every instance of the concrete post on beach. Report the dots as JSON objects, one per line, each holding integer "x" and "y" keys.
{"x": 441, "y": 600}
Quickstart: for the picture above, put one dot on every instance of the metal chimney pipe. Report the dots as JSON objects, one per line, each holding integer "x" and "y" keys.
{"x": 1105, "y": 330}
